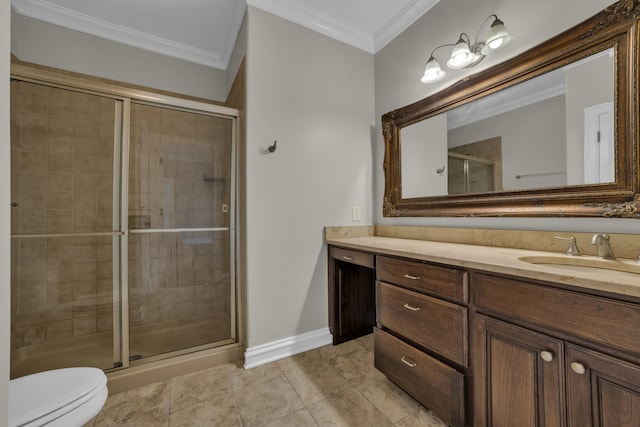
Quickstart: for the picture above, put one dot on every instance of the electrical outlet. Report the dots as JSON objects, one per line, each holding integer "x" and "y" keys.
{"x": 355, "y": 213}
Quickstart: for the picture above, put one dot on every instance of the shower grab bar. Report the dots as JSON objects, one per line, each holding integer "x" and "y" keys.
{"x": 524, "y": 175}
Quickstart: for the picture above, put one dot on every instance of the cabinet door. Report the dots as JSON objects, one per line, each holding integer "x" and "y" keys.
{"x": 601, "y": 391}
{"x": 518, "y": 376}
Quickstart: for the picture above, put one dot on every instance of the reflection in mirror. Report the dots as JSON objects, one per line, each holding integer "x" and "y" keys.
{"x": 554, "y": 130}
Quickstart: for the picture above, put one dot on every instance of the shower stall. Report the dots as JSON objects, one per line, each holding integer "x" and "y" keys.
{"x": 123, "y": 225}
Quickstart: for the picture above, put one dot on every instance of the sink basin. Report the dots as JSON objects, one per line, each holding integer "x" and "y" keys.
{"x": 584, "y": 263}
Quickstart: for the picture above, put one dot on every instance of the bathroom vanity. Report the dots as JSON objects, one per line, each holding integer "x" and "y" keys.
{"x": 503, "y": 328}
{"x": 492, "y": 336}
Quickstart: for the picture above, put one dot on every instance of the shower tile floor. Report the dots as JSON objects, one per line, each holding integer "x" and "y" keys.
{"x": 329, "y": 386}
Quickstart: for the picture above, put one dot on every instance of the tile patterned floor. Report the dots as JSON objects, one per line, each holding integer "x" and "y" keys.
{"x": 329, "y": 386}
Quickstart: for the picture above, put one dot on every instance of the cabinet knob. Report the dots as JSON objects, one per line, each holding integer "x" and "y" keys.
{"x": 547, "y": 356}
{"x": 578, "y": 368}
{"x": 411, "y": 276}
{"x": 408, "y": 362}
{"x": 412, "y": 308}
{"x": 348, "y": 258}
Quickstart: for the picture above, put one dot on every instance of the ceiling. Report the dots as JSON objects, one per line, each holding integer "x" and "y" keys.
{"x": 205, "y": 31}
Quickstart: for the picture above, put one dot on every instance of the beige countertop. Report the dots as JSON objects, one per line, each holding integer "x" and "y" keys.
{"x": 505, "y": 261}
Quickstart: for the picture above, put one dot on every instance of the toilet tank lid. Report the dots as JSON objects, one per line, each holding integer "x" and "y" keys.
{"x": 37, "y": 395}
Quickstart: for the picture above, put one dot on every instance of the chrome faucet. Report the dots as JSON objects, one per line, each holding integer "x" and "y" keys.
{"x": 601, "y": 242}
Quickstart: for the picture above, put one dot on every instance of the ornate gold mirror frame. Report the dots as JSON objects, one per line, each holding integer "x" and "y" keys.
{"x": 615, "y": 27}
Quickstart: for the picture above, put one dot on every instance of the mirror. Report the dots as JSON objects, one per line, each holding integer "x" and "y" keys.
{"x": 553, "y": 130}
{"x": 550, "y": 132}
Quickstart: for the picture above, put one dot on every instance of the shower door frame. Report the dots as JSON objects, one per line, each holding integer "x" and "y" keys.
{"x": 124, "y": 97}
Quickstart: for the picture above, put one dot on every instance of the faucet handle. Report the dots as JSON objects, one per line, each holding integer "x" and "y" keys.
{"x": 573, "y": 247}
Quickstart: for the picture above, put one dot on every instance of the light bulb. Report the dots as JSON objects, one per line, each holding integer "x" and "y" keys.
{"x": 461, "y": 55}
{"x": 432, "y": 72}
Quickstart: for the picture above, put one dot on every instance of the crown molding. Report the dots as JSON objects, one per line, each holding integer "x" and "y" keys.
{"x": 330, "y": 26}
{"x": 49, "y": 12}
{"x": 401, "y": 21}
{"x": 317, "y": 21}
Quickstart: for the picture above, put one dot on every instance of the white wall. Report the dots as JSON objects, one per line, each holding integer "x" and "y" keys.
{"x": 314, "y": 95}
{"x": 43, "y": 43}
{"x": 400, "y": 64}
{"x": 5, "y": 214}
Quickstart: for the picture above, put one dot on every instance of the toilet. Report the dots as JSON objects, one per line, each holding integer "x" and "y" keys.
{"x": 62, "y": 397}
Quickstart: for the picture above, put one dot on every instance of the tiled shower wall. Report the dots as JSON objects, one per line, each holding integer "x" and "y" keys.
{"x": 62, "y": 182}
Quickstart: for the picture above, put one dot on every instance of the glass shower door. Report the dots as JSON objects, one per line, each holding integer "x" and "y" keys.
{"x": 180, "y": 216}
{"x": 65, "y": 241}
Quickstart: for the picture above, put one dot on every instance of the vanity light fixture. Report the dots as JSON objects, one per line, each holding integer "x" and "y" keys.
{"x": 465, "y": 54}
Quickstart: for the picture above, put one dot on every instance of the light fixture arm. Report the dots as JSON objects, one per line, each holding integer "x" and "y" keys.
{"x": 444, "y": 45}
{"x": 467, "y": 36}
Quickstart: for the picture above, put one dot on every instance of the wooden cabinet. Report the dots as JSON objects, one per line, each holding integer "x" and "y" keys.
{"x": 601, "y": 390}
{"x": 421, "y": 336}
{"x": 553, "y": 357}
{"x": 516, "y": 384}
{"x": 484, "y": 349}
{"x": 351, "y": 294}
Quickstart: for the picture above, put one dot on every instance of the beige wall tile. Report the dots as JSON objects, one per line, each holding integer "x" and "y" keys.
{"x": 33, "y": 180}
{"x": 58, "y": 330}
{"x": 60, "y": 162}
{"x": 59, "y": 200}
{"x": 31, "y": 160}
{"x": 58, "y": 181}
{"x": 35, "y": 275}
{"x": 62, "y": 144}
{"x": 60, "y": 311}
{"x": 62, "y": 125}
{"x": 105, "y": 323}
{"x": 32, "y": 295}
{"x": 84, "y": 326}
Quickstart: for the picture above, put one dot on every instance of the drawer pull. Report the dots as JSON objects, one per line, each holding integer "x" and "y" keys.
{"x": 578, "y": 368}
{"x": 408, "y": 362}
{"x": 412, "y": 277}
{"x": 348, "y": 258}
{"x": 412, "y": 308}
{"x": 547, "y": 356}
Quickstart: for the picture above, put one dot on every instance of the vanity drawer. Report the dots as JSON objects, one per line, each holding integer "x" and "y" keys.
{"x": 354, "y": 257}
{"x": 429, "y": 381}
{"x": 429, "y": 322}
{"x": 597, "y": 319}
{"x": 445, "y": 282}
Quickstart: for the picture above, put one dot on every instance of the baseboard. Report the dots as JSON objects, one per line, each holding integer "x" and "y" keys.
{"x": 276, "y": 350}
